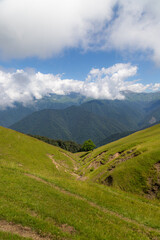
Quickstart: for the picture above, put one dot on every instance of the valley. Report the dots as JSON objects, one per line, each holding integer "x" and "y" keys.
{"x": 49, "y": 193}
{"x": 79, "y": 120}
{"x": 101, "y": 120}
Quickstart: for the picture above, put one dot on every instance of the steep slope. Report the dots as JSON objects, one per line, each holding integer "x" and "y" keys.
{"x": 11, "y": 115}
{"x": 23, "y": 152}
{"x": 72, "y": 123}
{"x": 152, "y": 115}
{"x": 126, "y": 112}
{"x": 100, "y": 120}
{"x": 131, "y": 163}
{"x": 133, "y": 102}
{"x": 42, "y": 198}
{"x": 113, "y": 137}
{"x": 141, "y": 97}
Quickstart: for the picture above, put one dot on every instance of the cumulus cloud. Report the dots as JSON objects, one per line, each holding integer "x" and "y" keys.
{"x": 106, "y": 83}
{"x": 136, "y": 27}
{"x": 109, "y": 83}
{"x": 45, "y": 28}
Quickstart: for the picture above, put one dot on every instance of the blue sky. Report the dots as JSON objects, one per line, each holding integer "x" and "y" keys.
{"x": 77, "y": 64}
{"x": 96, "y": 48}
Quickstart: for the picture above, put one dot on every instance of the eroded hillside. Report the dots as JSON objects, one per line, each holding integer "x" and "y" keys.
{"x": 130, "y": 164}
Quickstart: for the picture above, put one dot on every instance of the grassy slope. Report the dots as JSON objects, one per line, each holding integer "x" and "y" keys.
{"x": 37, "y": 194}
{"x": 132, "y": 167}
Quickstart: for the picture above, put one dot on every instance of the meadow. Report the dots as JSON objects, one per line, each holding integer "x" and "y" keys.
{"x": 49, "y": 193}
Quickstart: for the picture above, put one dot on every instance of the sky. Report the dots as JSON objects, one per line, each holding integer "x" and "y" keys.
{"x": 96, "y": 48}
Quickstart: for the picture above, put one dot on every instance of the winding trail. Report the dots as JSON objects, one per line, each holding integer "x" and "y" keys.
{"x": 78, "y": 177}
{"x": 67, "y": 155}
{"x": 53, "y": 161}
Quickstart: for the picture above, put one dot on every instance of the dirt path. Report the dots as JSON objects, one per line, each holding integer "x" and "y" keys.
{"x": 65, "y": 168}
{"x": 53, "y": 161}
{"x": 103, "y": 209}
{"x": 75, "y": 166}
{"x": 21, "y": 231}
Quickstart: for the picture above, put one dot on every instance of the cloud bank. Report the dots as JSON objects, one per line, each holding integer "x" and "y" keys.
{"x": 106, "y": 83}
{"x": 47, "y": 27}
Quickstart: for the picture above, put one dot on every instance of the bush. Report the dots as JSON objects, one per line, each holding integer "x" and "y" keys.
{"x": 88, "y": 145}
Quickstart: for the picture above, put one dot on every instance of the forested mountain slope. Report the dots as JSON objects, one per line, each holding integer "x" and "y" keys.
{"x": 73, "y": 123}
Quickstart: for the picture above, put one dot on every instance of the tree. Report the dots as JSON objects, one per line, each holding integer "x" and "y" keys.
{"x": 88, "y": 145}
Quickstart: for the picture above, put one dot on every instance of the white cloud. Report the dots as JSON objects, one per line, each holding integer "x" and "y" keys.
{"x": 137, "y": 27}
{"x": 156, "y": 87}
{"x": 106, "y": 83}
{"x": 45, "y": 28}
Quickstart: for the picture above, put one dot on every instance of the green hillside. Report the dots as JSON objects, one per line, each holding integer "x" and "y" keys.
{"x": 127, "y": 113}
{"x": 141, "y": 97}
{"x": 131, "y": 110}
{"x": 153, "y": 114}
{"x": 102, "y": 121}
{"x": 131, "y": 163}
{"x": 73, "y": 123}
{"x": 113, "y": 137}
{"x": 11, "y": 115}
{"x": 44, "y": 197}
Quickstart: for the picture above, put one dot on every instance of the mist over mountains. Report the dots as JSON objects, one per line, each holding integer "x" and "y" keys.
{"x": 74, "y": 117}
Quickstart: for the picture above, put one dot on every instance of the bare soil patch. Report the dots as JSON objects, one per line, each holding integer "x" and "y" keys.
{"x": 119, "y": 157}
{"x": 53, "y": 161}
{"x": 68, "y": 229}
{"x": 112, "y": 157}
{"x": 101, "y": 154}
{"x": 58, "y": 166}
{"x": 95, "y": 164}
{"x": 122, "y": 157}
{"x": 154, "y": 183}
{"x": 21, "y": 230}
{"x": 109, "y": 180}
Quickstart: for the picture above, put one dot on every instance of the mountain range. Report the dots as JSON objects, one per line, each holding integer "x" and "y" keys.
{"x": 99, "y": 120}
{"x": 71, "y": 123}
{"x": 11, "y": 115}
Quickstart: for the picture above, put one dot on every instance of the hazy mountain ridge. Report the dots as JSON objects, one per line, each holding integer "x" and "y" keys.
{"x": 73, "y": 123}
{"x": 11, "y": 115}
{"x": 95, "y": 119}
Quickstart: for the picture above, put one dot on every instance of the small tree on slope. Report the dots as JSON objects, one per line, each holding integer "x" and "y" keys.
{"x": 88, "y": 145}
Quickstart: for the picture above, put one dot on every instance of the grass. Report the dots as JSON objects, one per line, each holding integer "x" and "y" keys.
{"x": 54, "y": 204}
{"x": 127, "y": 174}
{"x": 6, "y": 236}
